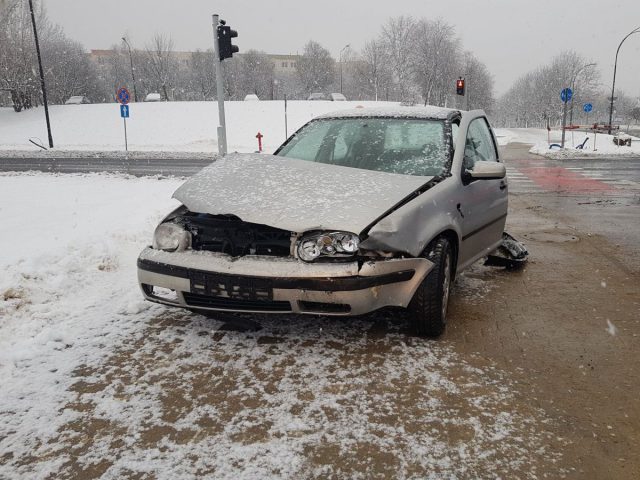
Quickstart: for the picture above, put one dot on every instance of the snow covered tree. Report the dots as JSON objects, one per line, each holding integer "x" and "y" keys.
{"x": 17, "y": 54}
{"x": 479, "y": 83}
{"x": 397, "y": 40}
{"x": 534, "y": 98}
{"x": 256, "y": 74}
{"x": 315, "y": 68}
{"x": 159, "y": 65}
{"x": 434, "y": 60}
{"x": 200, "y": 75}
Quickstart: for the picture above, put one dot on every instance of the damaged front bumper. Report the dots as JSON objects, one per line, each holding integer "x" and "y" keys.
{"x": 219, "y": 282}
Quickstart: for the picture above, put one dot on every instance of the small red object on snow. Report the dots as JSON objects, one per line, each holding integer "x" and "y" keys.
{"x": 259, "y": 137}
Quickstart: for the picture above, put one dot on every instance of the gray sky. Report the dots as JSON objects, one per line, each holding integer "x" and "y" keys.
{"x": 510, "y": 36}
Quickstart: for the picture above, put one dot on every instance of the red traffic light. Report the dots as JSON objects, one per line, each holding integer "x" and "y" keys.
{"x": 460, "y": 86}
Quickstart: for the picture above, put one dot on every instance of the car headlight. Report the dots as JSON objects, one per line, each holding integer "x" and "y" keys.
{"x": 333, "y": 244}
{"x": 171, "y": 237}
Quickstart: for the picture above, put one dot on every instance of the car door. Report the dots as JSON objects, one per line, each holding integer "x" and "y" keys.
{"x": 483, "y": 203}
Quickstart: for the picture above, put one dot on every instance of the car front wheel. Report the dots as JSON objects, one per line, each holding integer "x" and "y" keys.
{"x": 428, "y": 308}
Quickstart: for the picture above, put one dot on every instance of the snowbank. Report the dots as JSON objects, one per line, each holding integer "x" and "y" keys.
{"x": 598, "y": 144}
{"x": 162, "y": 126}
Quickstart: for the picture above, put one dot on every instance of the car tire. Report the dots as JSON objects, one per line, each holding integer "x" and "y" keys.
{"x": 428, "y": 307}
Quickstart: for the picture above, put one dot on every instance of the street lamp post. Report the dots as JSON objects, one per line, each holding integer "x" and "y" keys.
{"x": 573, "y": 89}
{"x": 135, "y": 91}
{"x": 615, "y": 67}
{"x": 343, "y": 49}
{"x": 42, "y": 83}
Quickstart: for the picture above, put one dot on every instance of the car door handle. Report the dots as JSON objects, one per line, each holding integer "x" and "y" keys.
{"x": 503, "y": 185}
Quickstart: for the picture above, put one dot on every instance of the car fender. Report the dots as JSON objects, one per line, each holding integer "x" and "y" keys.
{"x": 410, "y": 228}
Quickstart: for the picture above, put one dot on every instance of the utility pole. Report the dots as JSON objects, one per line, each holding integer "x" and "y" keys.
{"x": 133, "y": 76}
{"x": 222, "y": 128}
{"x": 42, "y": 85}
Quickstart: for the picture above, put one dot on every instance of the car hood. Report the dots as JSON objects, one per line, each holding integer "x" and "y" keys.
{"x": 295, "y": 195}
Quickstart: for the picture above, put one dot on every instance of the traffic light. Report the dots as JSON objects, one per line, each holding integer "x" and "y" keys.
{"x": 460, "y": 86}
{"x": 225, "y": 48}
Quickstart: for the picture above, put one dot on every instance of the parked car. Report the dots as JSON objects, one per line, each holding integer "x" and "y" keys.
{"x": 153, "y": 97}
{"x": 357, "y": 210}
{"x": 337, "y": 97}
{"x": 252, "y": 97}
{"x": 77, "y": 100}
{"x": 317, "y": 96}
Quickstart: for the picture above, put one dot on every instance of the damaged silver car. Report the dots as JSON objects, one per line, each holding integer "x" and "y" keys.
{"x": 356, "y": 211}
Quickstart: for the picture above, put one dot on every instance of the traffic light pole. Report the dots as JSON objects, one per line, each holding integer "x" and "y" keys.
{"x": 222, "y": 128}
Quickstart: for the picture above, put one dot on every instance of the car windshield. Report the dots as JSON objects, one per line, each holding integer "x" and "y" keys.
{"x": 395, "y": 145}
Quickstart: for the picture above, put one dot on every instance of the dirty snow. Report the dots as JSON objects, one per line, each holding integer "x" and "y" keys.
{"x": 97, "y": 382}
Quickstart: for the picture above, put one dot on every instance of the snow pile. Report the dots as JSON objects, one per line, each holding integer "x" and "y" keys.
{"x": 97, "y": 382}
{"x": 163, "y": 126}
{"x": 539, "y": 138}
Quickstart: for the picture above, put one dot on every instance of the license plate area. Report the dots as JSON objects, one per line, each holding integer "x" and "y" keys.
{"x": 229, "y": 286}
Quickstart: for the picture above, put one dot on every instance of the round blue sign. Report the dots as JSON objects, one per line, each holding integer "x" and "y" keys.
{"x": 566, "y": 94}
{"x": 123, "y": 96}
{"x": 587, "y": 107}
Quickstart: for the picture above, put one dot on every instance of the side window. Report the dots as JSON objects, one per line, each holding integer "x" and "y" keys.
{"x": 479, "y": 145}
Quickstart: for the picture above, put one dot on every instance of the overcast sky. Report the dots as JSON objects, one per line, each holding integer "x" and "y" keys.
{"x": 510, "y": 36}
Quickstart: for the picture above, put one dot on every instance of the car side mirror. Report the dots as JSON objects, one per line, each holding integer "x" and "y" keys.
{"x": 488, "y": 170}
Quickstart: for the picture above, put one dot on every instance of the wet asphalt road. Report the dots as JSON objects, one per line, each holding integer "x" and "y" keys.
{"x": 139, "y": 166}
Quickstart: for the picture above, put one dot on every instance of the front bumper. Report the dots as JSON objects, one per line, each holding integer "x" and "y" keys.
{"x": 213, "y": 281}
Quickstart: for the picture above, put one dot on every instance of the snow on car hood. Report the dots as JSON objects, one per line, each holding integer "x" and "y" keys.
{"x": 294, "y": 195}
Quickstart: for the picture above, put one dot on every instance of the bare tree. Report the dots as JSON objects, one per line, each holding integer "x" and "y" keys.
{"x": 315, "y": 68}
{"x": 201, "y": 79}
{"x": 534, "y": 99}
{"x": 256, "y": 74}
{"x": 479, "y": 85}
{"x": 160, "y": 66}
{"x": 397, "y": 40}
{"x": 17, "y": 55}
{"x": 434, "y": 59}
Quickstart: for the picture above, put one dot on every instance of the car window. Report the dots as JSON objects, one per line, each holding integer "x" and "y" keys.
{"x": 395, "y": 145}
{"x": 306, "y": 147}
{"x": 479, "y": 144}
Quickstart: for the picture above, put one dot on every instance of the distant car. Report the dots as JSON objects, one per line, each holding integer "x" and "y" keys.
{"x": 77, "y": 100}
{"x": 317, "y": 96}
{"x": 153, "y": 97}
{"x": 337, "y": 97}
{"x": 252, "y": 97}
{"x": 356, "y": 211}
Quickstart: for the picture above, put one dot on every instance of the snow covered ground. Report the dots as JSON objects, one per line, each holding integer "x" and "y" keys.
{"x": 598, "y": 144}
{"x": 96, "y": 382}
{"x": 162, "y": 126}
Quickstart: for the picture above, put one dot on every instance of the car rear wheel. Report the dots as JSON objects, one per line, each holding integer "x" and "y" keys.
{"x": 428, "y": 308}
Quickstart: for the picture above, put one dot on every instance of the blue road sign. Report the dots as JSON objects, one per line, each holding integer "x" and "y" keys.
{"x": 123, "y": 96}
{"x": 566, "y": 94}
{"x": 124, "y": 111}
{"x": 587, "y": 107}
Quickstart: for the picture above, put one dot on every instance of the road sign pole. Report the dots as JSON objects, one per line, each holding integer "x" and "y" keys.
{"x": 222, "y": 129}
{"x": 126, "y": 143}
{"x": 564, "y": 122}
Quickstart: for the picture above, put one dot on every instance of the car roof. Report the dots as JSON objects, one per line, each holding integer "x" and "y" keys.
{"x": 396, "y": 111}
